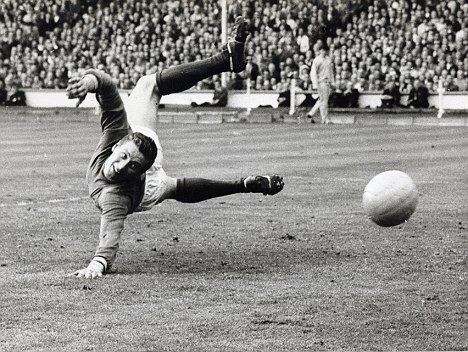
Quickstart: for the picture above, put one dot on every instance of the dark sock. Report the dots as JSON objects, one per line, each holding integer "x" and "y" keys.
{"x": 193, "y": 190}
{"x": 182, "y": 77}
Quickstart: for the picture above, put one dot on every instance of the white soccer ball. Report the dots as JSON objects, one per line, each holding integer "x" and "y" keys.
{"x": 390, "y": 198}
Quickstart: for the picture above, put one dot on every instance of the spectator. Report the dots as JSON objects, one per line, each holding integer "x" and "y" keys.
{"x": 303, "y": 41}
{"x": 303, "y": 81}
{"x": 15, "y": 97}
{"x": 220, "y": 97}
{"x": 337, "y": 98}
{"x": 418, "y": 96}
{"x": 461, "y": 81}
{"x": 236, "y": 82}
{"x": 450, "y": 85}
{"x": 351, "y": 96}
{"x": 284, "y": 98}
{"x": 3, "y": 93}
{"x": 49, "y": 38}
{"x": 462, "y": 33}
{"x": 361, "y": 85}
{"x": 391, "y": 95}
{"x": 251, "y": 69}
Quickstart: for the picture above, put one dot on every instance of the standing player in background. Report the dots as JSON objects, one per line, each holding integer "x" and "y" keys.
{"x": 322, "y": 77}
{"x": 125, "y": 174}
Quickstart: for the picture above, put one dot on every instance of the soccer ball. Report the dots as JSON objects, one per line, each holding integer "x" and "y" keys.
{"x": 390, "y": 198}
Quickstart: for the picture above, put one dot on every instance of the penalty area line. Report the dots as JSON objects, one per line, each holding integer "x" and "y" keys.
{"x": 357, "y": 179}
{"x": 327, "y": 179}
{"x": 49, "y": 201}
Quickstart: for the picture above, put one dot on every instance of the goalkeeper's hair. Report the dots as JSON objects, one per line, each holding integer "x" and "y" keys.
{"x": 145, "y": 145}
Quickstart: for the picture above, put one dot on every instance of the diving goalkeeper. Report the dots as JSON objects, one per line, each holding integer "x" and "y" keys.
{"x": 125, "y": 174}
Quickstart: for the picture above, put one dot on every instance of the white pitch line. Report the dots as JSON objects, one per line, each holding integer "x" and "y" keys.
{"x": 50, "y": 201}
{"x": 356, "y": 179}
{"x": 328, "y": 179}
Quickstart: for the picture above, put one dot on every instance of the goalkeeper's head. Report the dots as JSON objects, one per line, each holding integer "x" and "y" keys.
{"x": 130, "y": 158}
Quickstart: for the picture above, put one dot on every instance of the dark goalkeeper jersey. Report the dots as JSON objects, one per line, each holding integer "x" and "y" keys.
{"x": 114, "y": 200}
{"x": 97, "y": 184}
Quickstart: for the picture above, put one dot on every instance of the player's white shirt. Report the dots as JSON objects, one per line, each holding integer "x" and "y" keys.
{"x": 322, "y": 70}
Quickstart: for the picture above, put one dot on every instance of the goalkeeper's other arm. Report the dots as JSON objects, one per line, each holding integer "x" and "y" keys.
{"x": 79, "y": 87}
{"x": 99, "y": 82}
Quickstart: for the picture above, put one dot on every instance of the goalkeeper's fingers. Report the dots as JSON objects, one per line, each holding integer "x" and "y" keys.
{"x": 75, "y": 273}
{"x": 86, "y": 273}
{"x": 80, "y": 100}
{"x": 74, "y": 80}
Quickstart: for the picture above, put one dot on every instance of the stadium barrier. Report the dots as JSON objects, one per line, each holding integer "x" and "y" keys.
{"x": 239, "y": 99}
{"x": 206, "y": 115}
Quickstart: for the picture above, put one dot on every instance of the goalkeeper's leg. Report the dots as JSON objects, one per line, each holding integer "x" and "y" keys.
{"x": 193, "y": 190}
{"x": 145, "y": 97}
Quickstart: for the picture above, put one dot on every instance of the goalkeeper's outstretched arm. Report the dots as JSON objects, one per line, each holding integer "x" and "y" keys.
{"x": 99, "y": 82}
{"x": 95, "y": 81}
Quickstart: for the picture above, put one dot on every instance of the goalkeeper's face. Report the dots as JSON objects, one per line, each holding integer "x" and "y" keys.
{"x": 125, "y": 163}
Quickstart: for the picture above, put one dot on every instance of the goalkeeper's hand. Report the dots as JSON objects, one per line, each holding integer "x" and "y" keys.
{"x": 79, "y": 87}
{"x": 95, "y": 269}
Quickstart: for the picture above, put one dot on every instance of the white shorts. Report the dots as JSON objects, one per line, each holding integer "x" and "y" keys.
{"x": 157, "y": 185}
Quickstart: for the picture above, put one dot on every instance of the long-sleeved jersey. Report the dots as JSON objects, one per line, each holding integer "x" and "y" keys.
{"x": 114, "y": 200}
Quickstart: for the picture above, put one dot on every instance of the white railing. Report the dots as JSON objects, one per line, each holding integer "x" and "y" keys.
{"x": 241, "y": 99}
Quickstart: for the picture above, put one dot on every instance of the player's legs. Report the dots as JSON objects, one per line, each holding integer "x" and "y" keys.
{"x": 145, "y": 97}
{"x": 142, "y": 103}
{"x": 142, "y": 109}
{"x": 314, "y": 109}
{"x": 231, "y": 58}
{"x": 159, "y": 187}
{"x": 194, "y": 190}
{"x": 324, "y": 93}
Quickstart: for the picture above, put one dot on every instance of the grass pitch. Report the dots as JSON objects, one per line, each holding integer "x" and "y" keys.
{"x": 302, "y": 270}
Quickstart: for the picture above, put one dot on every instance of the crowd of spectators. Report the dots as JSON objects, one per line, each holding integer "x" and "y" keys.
{"x": 374, "y": 44}
{"x": 400, "y": 42}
